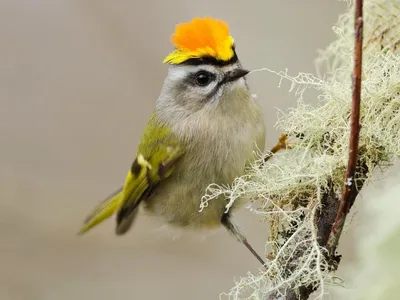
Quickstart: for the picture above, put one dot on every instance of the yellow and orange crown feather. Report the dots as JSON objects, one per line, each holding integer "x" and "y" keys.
{"x": 201, "y": 37}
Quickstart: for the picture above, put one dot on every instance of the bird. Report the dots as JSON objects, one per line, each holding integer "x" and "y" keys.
{"x": 206, "y": 128}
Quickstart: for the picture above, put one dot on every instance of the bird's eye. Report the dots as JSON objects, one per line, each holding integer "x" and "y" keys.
{"x": 203, "y": 78}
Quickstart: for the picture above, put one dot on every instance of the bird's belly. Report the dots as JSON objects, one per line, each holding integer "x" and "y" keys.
{"x": 181, "y": 208}
{"x": 177, "y": 199}
{"x": 219, "y": 150}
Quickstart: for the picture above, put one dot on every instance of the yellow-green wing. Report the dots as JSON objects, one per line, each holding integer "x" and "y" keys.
{"x": 158, "y": 152}
{"x": 134, "y": 187}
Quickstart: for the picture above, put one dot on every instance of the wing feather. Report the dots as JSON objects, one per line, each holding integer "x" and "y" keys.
{"x": 157, "y": 156}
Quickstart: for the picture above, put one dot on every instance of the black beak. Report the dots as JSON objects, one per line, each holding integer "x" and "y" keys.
{"x": 235, "y": 75}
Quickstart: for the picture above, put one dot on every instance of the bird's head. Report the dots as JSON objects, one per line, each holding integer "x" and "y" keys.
{"x": 204, "y": 67}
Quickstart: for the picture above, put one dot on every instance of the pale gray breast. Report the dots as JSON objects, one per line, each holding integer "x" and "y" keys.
{"x": 220, "y": 145}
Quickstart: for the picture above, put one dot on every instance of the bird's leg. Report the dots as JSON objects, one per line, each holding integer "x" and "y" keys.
{"x": 226, "y": 221}
{"x": 234, "y": 230}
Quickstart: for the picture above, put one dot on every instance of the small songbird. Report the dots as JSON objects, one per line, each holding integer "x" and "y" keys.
{"x": 206, "y": 128}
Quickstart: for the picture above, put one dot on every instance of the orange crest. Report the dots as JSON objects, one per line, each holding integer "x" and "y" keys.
{"x": 199, "y": 38}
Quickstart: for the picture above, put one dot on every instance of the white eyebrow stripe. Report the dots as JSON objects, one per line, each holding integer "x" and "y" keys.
{"x": 181, "y": 72}
{"x": 178, "y": 73}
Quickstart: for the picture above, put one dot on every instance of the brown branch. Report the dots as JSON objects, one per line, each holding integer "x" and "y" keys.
{"x": 326, "y": 217}
{"x": 345, "y": 202}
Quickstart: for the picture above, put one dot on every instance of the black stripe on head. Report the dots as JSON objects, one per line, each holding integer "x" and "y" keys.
{"x": 210, "y": 60}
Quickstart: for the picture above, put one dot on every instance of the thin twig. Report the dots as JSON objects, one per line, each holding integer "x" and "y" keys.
{"x": 345, "y": 202}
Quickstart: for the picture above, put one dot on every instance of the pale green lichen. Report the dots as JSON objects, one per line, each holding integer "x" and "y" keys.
{"x": 290, "y": 185}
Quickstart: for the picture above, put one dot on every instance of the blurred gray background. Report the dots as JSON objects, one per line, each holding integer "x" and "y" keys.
{"x": 78, "y": 80}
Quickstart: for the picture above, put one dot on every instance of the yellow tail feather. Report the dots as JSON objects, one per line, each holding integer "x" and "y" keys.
{"x": 102, "y": 211}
